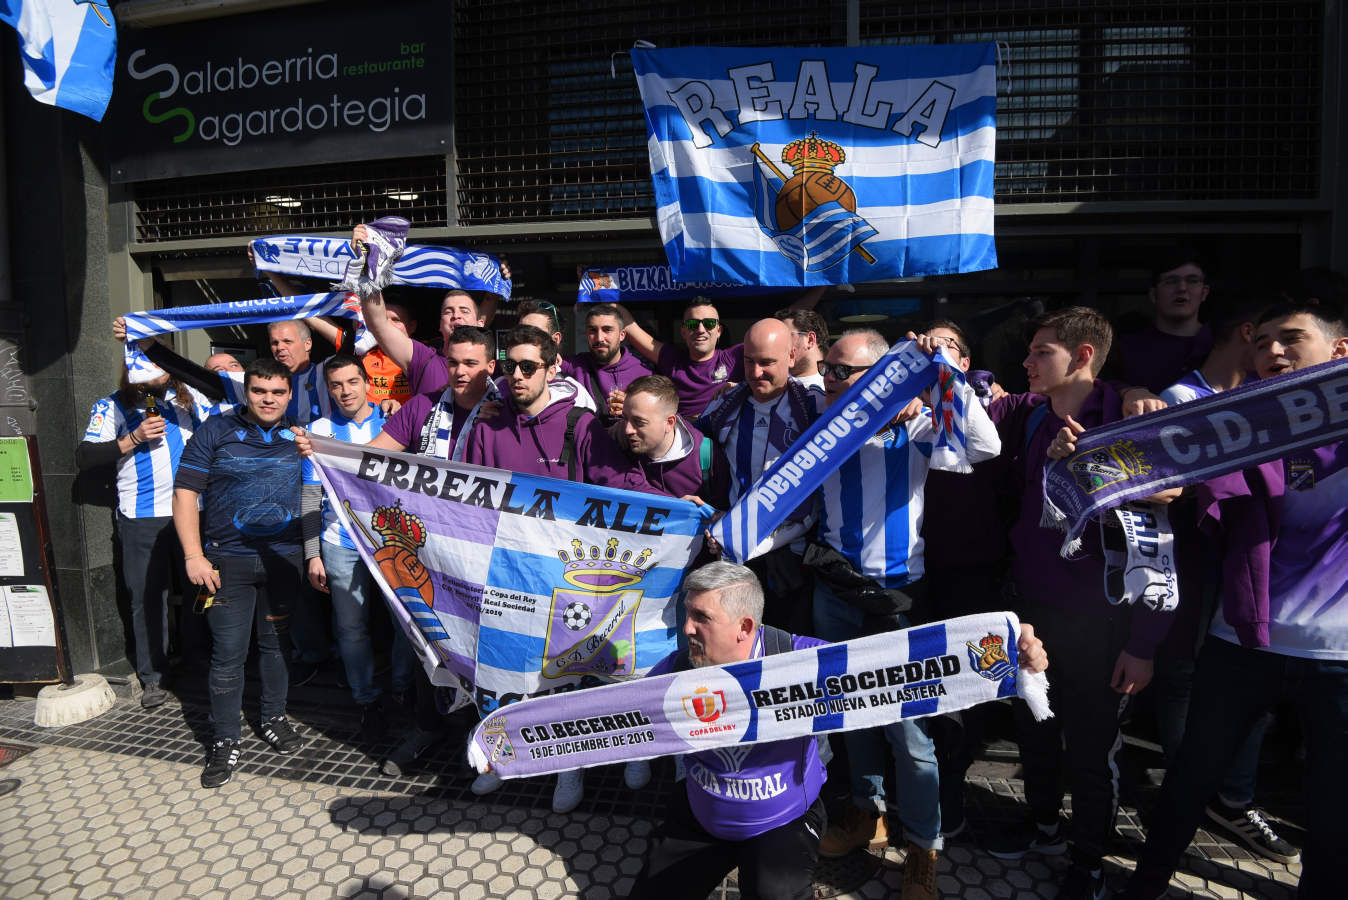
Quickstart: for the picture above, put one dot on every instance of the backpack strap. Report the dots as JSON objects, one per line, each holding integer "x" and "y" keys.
{"x": 704, "y": 456}
{"x": 568, "y": 457}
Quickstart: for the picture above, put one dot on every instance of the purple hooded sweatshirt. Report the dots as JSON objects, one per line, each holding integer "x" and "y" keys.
{"x": 1039, "y": 573}
{"x": 532, "y": 445}
{"x": 679, "y": 473}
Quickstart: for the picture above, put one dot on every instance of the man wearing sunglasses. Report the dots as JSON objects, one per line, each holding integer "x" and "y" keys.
{"x": 544, "y": 316}
{"x": 870, "y": 525}
{"x": 700, "y": 369}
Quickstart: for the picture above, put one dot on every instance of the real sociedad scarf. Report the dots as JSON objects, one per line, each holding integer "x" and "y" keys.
{"x": 147, "y": 324}
{"x": 1187, "y": 444}
{"x": 308, "y": 256}
{"x": 872, "y": 401}
{"x": 862, "y": 683}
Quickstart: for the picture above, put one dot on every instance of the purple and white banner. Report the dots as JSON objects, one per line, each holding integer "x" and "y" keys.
{"x": 1259, "y": 421}
{"x": 874, "y": 399}
{"x": 512, "y": 585}
{"x": 862, "y": 683}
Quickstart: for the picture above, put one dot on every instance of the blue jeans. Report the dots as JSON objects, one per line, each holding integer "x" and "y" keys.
{"x": 1233, "y": 686}
{"x": 916, "y": 776}
{"x": 352, "y": 591}
{"x": 149, "y": 555}
{"x": 254, "y": 598}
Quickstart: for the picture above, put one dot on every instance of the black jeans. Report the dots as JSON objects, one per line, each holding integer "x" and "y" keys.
{"x": 687, "y": 862}
{"x": 254, "y": 597}
{"x": 1083, "y": 646}
{"x": 1233, "y": 687}
{"x": 149, "y": 555}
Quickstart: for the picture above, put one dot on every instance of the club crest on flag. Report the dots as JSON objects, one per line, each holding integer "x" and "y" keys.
{"x": 1300, "y": 475}
{"x": 989, "y": 658}
{"x": 592, "y": 624}
{"x": 811, "y": 216}
{"x": 1097, "y": 469}
{"x": 495, "y": 736}
{"x": 705, "y": 705}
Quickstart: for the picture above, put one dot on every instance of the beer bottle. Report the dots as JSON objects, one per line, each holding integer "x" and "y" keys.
{"x": 151, "y": 406}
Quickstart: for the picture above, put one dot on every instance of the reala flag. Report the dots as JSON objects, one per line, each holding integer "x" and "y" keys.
{"x": 809, "y": 166}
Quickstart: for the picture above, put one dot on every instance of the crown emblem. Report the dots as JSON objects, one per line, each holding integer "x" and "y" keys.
{"x": 811, "y": 154}
{"x": 602, "y": 570}
{"x": 990, "y": 642}
{"x": 1103, "y": 466}
{"x": 399, "y": 527}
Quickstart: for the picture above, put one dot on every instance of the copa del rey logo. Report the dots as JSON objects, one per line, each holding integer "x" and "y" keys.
{"x": 705, "y": 705}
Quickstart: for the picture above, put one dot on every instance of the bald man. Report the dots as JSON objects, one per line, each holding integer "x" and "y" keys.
{"x": 754, "y": 423}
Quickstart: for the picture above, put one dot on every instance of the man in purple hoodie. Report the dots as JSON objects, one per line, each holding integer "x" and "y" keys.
{"x": 608, "y": 367}
{"x": 1102, "y": 653}
{"x": 1282, "y": 630}
{"x": 669, "y": 456}
{"x": 540, "y": 431}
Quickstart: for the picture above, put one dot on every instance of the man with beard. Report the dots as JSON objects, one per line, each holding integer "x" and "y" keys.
{"x": 141, "y": 430}
{"x": 608, "y": 367}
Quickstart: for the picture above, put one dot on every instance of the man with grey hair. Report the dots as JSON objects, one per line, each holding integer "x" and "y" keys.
{"x": 755, "y": 807}
{"x": 869, "y": 578}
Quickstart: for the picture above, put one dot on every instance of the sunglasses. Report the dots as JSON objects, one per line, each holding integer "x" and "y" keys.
{"x": 527, "y": 366}
{"x": 839, "y": 371}
{"x": 709, "y": 324}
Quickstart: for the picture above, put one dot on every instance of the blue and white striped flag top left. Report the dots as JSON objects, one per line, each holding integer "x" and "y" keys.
{"x": 69, "y": 51}
{"x": 811, "y": 166}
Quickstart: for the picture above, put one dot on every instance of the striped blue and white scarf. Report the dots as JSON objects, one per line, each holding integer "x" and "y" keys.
{"x": 148, "y": 324}
{"x": 308, "y": 256}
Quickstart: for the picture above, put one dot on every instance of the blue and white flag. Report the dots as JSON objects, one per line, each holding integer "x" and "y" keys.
{"x": 863, "y": 683}
{"x": 810, "y": 166}
{"x": 515, "y": 585}
{"x": 873, "y": 400}
{"x": 308, "y": 256}
{"x": 641, "y": 284}
{"x": 242, "y": 312}
{"x": 69, "y": 51}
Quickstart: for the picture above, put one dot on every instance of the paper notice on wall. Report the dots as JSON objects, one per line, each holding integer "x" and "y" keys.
{"x": 31, "y": 621}
{"x": 16, "y": 476}
{"x": 11, "y": 546}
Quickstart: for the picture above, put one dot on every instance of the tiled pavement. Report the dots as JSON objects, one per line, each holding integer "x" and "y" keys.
{"x": 112, "y": 808}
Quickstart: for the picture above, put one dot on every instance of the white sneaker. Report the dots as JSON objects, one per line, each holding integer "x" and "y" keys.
{"x": 636, "y": 775}
{"x": 569, "y": 792}
{"x": 486, "y": 783}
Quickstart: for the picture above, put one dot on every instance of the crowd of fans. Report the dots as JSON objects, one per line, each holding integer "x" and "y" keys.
{"x": 213, "y": 483}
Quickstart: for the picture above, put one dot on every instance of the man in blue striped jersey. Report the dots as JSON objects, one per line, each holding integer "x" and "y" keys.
{"x": 141, "y": 430}
{"x": 754, "y": 423}
{"x": 869, "y": 579}
{"x": 334, "y": 566}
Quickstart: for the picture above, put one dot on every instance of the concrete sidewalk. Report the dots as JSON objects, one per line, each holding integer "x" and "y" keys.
{"x": 113, "y": 808}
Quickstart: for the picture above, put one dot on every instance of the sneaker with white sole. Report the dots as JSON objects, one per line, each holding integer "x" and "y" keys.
{"x": 282, "y": 737}
{"x": 636, "y": 775}
{"x": 1250, "y": 826}
{"x": 569, "y": 792}
{"x": 221, "y": 759}
{"x": 486, "y": 783}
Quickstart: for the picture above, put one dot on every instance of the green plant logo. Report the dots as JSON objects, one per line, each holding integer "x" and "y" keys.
{"x": 189, "y": 121}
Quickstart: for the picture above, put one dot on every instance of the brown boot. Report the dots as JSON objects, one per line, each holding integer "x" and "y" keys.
{"x": 919, "y": 873}
{"x": 857, "y": 829}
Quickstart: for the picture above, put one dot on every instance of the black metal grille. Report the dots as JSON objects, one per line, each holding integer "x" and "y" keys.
{"x": 1139, "y": 101}
{"x": 1143, "y": 100}
{"x": 544, "y": 132}
{"x": 273, "y": 201}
